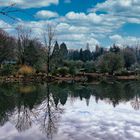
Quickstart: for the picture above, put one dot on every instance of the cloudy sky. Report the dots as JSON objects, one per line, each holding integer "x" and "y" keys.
{"x": 79, "y": 22}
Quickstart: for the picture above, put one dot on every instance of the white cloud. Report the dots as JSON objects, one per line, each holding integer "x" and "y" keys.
{"x": 46, "y": 14}
{"x": 77, "y": 29}
{"x": 29, "y": 3}
{"x": 91, "y": 17}
{"x": 127, "y": 9}
{"x": 127, "y": 40}
{"x": 4, "y": 25}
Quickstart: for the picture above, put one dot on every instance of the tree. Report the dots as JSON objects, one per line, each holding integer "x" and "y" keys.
{"x": 75, "y": 55}
{"x": 86, "y": 54}
{"x": 129, "y": 57}
{"x": 115, "y": 49}
{"x": 98, "y": 52}
{"x": 48, "y": 35}
{"x": 89, "y": 66}
{"x": 55, "y": 54}
{"x": 32, "y": 52}
{"x": 63, "y": 51}
{"x": 7, "y": 47}
{"x": 23, "y": 41}
{"x": 81, "y": 55}
{"x": 110, "y": 63}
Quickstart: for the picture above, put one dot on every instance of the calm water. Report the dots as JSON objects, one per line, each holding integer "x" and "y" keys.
{"x": 70, "y": 112}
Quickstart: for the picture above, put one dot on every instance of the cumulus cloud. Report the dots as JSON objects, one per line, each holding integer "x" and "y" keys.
{"x": 91, "y": 17}
{"x": 4, "y": 25}
{"x": 128, "y": 40}
{"x": 127, "y": 9}
{"x": 29, "y": 3}
{"x": 79, "y": 28}
{"x": 46, "y": 14}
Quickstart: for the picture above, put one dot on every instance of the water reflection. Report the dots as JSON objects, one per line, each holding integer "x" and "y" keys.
{"x": 43, "y": 105}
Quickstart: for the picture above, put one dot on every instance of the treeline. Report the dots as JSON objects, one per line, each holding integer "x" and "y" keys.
{"x": 27, "y": 51}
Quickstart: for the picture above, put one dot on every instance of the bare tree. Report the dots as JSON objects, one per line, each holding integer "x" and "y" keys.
{"x": 7, "y": 45}
{"x": 48, "y": 36}
{"x": 51, "y": 115}
{"x": 24, "y": 35}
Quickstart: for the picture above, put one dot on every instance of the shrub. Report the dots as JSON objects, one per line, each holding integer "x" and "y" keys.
{"x": 72, "y": 71}
{"x": 89, "y": 66}
{"x": 26, "y": 70}
{"x": 63, "y": 71}
{"x": 110, "y": 63}
{"x": 7, "y": 69}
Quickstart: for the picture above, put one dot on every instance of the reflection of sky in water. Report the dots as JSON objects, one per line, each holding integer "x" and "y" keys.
{"x": 81, "y": 122}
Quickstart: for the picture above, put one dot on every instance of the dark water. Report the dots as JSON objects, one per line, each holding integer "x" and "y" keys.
{"x": 70, "y": 112}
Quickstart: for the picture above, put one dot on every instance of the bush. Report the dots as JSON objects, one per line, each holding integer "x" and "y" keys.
{"x": 89, "y": 66}
{"x": 7, "y": 69}
{"x": 71, "y": 63}
{"x": 63, "y": 71}
{"x": 125, "y": 73}
{"x": 110, "y": 63}
{"x": 72, "y": 71}
{"x": 26, "y": 70}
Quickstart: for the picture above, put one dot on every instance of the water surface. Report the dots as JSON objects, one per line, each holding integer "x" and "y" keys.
{"x": 70, "y": 111}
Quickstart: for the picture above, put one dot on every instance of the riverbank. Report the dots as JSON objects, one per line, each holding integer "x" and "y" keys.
{"x": 84, "y": 77}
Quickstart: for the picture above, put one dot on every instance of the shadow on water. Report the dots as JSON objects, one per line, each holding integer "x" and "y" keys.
{"x": 42, "y": 104}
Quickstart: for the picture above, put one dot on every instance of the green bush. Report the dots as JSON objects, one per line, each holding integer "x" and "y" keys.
{"x": 72, "y": 71}
{"x": 110, "y": 63}
{"x": 89, "y": 66}
{"x": 63, "y": 71}
{"x": 7, "y": 69}
{"x": 125, "y": 73}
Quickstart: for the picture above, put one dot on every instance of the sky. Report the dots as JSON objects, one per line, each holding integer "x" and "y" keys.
{"x": 78, "y": 22}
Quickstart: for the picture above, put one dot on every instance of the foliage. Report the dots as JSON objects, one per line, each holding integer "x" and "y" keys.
{"x": 7, "y": 47}
{"x": 129, "y": 57}
{"x": 63, "y": 51}
{"x": 115, "y": 49}
{"x": 26, "y": 70}
{"x": 63, "y": 71}
{"x": 32, "y": 54}
{"x": 110, "y": 63}
{"x": 7, "y": 69}
{"x": 90, "y": 66}
{"x": 47, "y": 57}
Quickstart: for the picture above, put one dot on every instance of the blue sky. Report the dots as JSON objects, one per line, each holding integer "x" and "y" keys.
{"x": 78, "y": 22}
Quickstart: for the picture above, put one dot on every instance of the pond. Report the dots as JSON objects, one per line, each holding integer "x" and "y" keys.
{"x": 63, "y": 111}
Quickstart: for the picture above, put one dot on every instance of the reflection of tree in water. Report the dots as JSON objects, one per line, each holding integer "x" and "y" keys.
{"x": 23, "y": 119}
{"x": 7, "y": 104}
{"x": 41, "y": 104}
{"x": 136, "y": 103}
{"x": 51, "y": 115}
{"x": 26, "y": 99}
{"x": 135, "y": 89}
{"x": 46, "y": 114}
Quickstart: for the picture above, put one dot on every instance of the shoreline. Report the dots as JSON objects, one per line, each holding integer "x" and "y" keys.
{"x": 92, "y": 77}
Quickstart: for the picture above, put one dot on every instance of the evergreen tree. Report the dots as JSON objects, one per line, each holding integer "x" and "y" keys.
{"x": 86, "y": 54}
{"x": 63, "y": 51}
{"x": 81, "y": 54}
{"x": 115, "y": 49}
{"x": 55, "y": 58}
{"x": 55, "y": 53}
{"x": 31, "y": 53}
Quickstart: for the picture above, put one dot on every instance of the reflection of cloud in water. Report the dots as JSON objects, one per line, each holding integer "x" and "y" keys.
{"x": 81, "y": 122}
{"x": 100, "y": 121}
